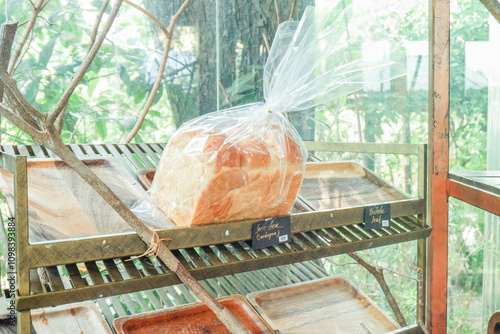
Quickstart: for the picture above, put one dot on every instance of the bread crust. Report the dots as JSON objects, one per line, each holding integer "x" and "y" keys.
{"x": 219, "y": 175}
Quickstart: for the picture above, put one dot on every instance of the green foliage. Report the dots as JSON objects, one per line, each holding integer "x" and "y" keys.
{"x": 106, "y": 104}
{"x": 247, "y": 87}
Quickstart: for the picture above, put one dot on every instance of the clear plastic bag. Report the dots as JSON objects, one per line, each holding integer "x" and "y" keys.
{"x": 248, "y": 162}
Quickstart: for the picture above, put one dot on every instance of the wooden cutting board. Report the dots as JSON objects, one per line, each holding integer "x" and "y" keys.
{"x": 62, "y": 205}
{"x": 83, "y": 318}
{"x": 332, "y": 185}
{"x": 195, "y": 318}
{"x": 329, "y": 305}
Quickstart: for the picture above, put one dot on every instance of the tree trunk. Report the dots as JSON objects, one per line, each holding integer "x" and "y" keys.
{"x": 229, "y": 43}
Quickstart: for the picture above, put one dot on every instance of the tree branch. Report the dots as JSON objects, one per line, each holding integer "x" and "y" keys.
{"x": 31, "y": 22}
{"x": 15, "y": 96}
{"x": 77, "y": 77}
{"x": 36, "y": 135}
{"x": 266, "y": 42}
{"x": 493, "y": 6}
{"x": 278, "y": 14}
{"x": 17, "y": 102}
{"x": 7, "y": 33}
{"x": 292, "y": 10}
{"x": 97, "y": 24}
{"x": 151, "y": 16}
{"x": 228, "y": 98}
{"x": 159, "y": 77}
{"x": 378, "y": 273}
{"x": 60, "y": 120}
{"x": 46, "y": 134}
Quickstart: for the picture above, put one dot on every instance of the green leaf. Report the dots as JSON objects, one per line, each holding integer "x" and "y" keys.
{"x": 122, "y": 71}
{"x": 101, "y": 127}
{"x": 149, "y": 123}
{"x": 315, "y": 120}
{"x": 46, "y": 53}
{"x": 158, "y": 95}
{"x": 243, "y": 79}
{"x": 128, "y": 123}
{"x": 32, "y": 90}
{"x": 139, "y": 97}
{"x": 154, "y": 113}
{"x": 92, "y": 84}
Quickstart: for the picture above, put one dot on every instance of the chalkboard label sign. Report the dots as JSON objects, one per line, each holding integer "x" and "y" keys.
{"x": 272, "y": 231}
{"x": 377, "y": 216}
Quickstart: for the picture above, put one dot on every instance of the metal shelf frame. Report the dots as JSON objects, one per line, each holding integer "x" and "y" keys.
{"x": 208, "y": 252}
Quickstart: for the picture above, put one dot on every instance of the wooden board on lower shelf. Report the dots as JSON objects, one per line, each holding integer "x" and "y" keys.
{"x": 329, "y": 305}
{"x": 193, "y": 318}
{"x": 83, "y": 317}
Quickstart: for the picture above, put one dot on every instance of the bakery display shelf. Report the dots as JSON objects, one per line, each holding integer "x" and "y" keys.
{"x": 94, "y": 279}
{"x": 72, "y": 269}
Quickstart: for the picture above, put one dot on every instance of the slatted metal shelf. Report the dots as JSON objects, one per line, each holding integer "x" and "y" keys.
{"x": 94, "y": 279}
{"x": 100, "y": 267}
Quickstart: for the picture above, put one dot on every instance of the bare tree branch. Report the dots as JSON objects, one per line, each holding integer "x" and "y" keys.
{"x": 60, "y": 120}
{"x": 266, "y": 42}
{"x": 7, "y": 33}
{"x": 16, "y": 100}
{"x": 77, "y": 77}
{"x": 97, "y": 24}
{"x": 493, "y": 6}
{"x": 228, "y": 98}
{"x": 95, "y": 30}
{"x": 378, "y": 274}
{"x": 159, "y": 77}
{"x": 36, "y": 135}
{"x": 17, "y": 97}
{"x": 278, "y": 14}
{"x": 151, "y": 16}
{"x": 292, "y": 10}
{"x": 31, "y": 22}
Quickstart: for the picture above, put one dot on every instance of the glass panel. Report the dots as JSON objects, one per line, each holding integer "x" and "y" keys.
{"x": 491, "y": 276}
{"x": 474, "y": 267}
{"x": 474, "y": 260}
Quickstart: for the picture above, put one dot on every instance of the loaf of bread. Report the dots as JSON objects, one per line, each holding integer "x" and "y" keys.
{"x": 227, "y": 168}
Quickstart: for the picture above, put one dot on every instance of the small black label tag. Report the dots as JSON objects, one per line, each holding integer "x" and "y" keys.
{"x": 271, "y": 231}
{"x": 377, "y": 216}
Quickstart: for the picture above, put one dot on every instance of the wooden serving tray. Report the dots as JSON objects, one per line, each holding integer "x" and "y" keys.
{"x": 61, "y": 205}
{"x": 330, "y": 305}
{"x": 332, "y": 185}
{"x": 328, "y": 185}
{"x": 195, "y": 318}
{"x": 83, "y": 318}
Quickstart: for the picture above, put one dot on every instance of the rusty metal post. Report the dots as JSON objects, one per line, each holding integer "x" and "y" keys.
{"x": 439, "y": 81}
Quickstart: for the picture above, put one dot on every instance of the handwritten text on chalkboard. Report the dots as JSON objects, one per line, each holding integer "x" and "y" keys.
{"x": 377, "y": 216}
{"x": 270, "y": 232}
